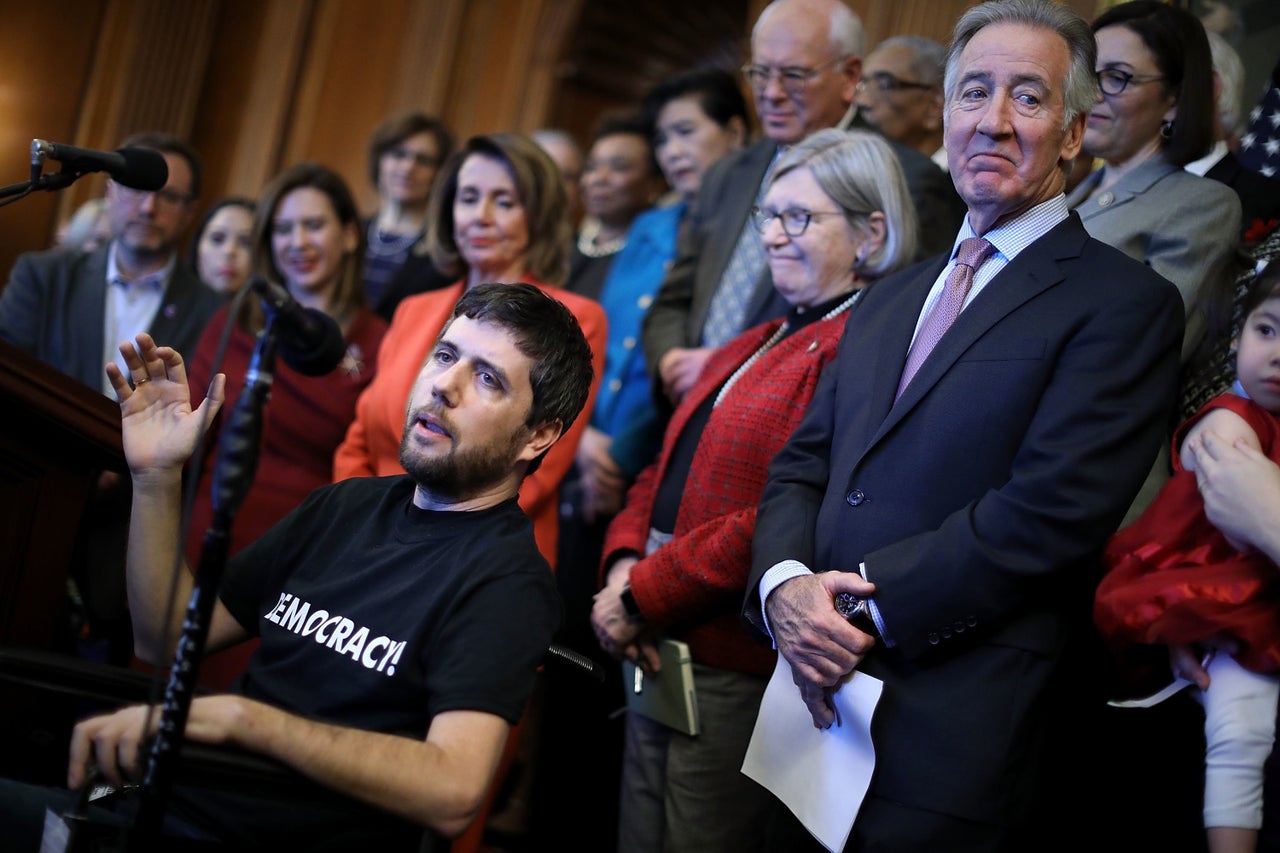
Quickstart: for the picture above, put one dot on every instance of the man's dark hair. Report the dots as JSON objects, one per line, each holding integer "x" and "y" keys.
{"x": 547, "y": 333}
{"x": 167, "y": 143}
{"x": 398, "y": 128}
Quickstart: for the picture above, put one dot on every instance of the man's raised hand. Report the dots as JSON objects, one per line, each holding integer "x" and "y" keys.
{"x": 160, "y": 430}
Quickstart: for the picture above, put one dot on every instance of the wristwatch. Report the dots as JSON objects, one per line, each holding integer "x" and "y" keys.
{"x": 629, "y": 605}
{"x": 857, "y": 611}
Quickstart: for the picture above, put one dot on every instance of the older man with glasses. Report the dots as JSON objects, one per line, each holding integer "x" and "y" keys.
{"x": 804, "y": 70}
{"x": 900, "y": 93}
{"x": 71, "y": 308}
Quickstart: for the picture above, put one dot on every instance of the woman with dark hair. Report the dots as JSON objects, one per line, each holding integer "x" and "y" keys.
{"x": 694, "y": 119}
{"x": 405, "y": 154}
{"x": 1154, "y": 116}
{"x": 497, "y": 214}
{"x": 221, "y": 247}
{"x": 306, "y": 237}
{"x": 620, "y": 179}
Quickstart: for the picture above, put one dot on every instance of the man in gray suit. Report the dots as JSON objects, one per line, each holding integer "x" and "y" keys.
{"x": 72, "y": 309}
{"x": 805, "y": 67}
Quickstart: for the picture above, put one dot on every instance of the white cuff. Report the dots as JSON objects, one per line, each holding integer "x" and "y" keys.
{"x": 776, "y": 575}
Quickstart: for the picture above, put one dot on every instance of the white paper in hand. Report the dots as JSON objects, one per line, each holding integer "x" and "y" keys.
{"x": 822, "y": 776}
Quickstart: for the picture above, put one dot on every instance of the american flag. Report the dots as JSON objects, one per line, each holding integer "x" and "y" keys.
{"x": 1260, "y": 146}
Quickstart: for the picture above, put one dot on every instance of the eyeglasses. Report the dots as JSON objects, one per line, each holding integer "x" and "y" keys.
{"x": 792, "y": 78}
{"x": 426, "y": 161}
{"x": 883, "y": 81}
{"x": 794, "y": 220}
{"x": 166, "y": 196}
{"x": 1113, "y": 81}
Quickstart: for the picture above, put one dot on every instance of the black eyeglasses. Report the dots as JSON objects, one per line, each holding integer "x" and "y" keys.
{"x": 794, "y": 220}
{"x": 170, "y": 197}
{"x": 792, "y": 78}
{"x": 883, "y": 81}
{"x": 426, "y": 161}
{"x": 1113, "y": 81}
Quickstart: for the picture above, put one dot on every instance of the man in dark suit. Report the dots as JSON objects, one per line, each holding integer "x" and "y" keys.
{"x": 964, "y": 497}
{"x": 804, "y": 70}
{"x": 71, "y": 308}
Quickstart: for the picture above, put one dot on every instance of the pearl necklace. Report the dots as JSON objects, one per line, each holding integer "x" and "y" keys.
{"x": 773, "y": 339}
{"x": 588, "y": 246}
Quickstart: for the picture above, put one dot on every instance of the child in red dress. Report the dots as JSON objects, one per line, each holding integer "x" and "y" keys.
{"x": 1176, "y": 579}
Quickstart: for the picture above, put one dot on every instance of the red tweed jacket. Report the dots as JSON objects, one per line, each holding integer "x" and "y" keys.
{"x": 692, "y": 587}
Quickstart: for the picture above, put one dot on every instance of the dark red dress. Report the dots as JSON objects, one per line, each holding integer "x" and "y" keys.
{"x": 304, "y": 421}
{"x": 1174, "y": 578}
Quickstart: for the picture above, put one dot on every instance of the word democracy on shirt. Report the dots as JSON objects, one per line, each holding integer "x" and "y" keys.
{"x": 337, "y": 633}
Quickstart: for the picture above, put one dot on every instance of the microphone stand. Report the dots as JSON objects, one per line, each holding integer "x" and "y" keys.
{"x": 233, "y": 473}
{"x": 53, "y": 181}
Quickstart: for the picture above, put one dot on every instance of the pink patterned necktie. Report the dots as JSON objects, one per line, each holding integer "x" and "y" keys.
{"x": 971, "y": 255}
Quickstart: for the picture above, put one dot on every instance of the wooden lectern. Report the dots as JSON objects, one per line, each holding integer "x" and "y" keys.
{"x": 56, "y": 437}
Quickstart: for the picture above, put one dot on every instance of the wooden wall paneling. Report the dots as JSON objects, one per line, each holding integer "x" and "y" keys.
{"x": 546, "y": 68}
{"x": 355, "y": 75}
{"x": 489, "y": 68}
{"x": 314, "y": 74}
{"x": 171, "y": 52}
{"x": 277, "y": 68}
{"x": 932, "y": 19}
{"x": 45, "y": 60}
{"x": 243, "y": 105}
{"x": 427, "y": 52}
{"x": 618, "y": 50}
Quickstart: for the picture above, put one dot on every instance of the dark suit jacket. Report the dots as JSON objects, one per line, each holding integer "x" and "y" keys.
{"x": 1259, "y": 197}
{"x": 710, "y": 231}
{"x": 53, "y": 307}
{"x": 980, "y": 501}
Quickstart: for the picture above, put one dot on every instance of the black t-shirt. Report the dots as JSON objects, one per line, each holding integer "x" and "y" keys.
{"x": 378, "y": 615}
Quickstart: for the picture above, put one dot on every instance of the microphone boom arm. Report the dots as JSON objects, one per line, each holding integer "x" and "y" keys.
{"x": 233, "y": 473}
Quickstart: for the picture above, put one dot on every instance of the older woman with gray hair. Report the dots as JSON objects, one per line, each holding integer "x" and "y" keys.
{"x": 836, "y": 216}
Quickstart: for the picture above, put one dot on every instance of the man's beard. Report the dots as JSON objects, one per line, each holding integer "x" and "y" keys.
{"x": 460, "y": 475}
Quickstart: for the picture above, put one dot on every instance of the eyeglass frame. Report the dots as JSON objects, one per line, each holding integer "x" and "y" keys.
{"x": 171, "y": 197}
{"x": 799, "y": 81}
{"x": 761, "y": 220}
{"x": 423, "y": 160}
{"x": 1125, "y": 77}
{"x": 889, "y": 82}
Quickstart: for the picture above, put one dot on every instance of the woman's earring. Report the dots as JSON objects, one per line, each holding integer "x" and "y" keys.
{"x": 1166, "y": 130}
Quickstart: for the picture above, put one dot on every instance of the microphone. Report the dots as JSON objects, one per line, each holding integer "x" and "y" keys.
{"x": 138, "y": 168}
{"x": 310, "y": 340}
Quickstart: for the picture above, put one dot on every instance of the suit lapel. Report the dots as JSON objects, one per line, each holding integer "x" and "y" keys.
{"x": 1126, "y": 190}
{"x": 178, "y": 301}
{"x": 90, "y": 301}
{"x": 898, "y": 327}
{"x": 1037, "y": 268}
